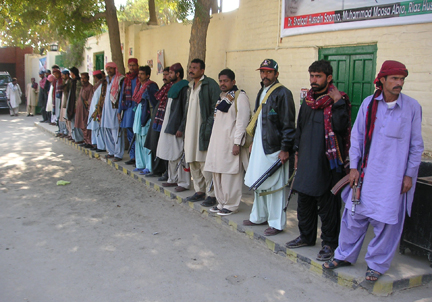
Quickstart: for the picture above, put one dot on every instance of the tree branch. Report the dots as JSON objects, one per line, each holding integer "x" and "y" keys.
{"x": 94, "y": 18}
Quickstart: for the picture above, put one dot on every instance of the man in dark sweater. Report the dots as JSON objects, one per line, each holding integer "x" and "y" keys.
{"x": 321, "y": 145}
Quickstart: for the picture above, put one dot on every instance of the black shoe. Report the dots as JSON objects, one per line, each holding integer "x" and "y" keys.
{"x": 209, "y": 202}
{"x": 163, "y": 178}
{"x": 88, "y": 146}
{"x": 93, "y": 148}
{"x": 153, "y": 175}
{"x": 43, "y": 121}
{"x": 196, "y": 197}
{"x": 100, "y": 150}
{"x": 28, "y": 115}
{"x": 130, "y": 162}
{"x": 296, "y": 243}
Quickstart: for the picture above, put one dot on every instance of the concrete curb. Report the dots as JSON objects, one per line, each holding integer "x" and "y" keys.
{"x": 379, "y": 288}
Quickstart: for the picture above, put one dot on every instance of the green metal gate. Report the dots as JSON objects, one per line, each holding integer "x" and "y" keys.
{"x": 353, "y": 71}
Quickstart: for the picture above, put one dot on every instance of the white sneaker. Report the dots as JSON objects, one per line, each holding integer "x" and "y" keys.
{"x": 214, "y": 209}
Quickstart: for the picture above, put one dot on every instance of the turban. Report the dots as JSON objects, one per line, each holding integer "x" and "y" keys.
{"x": 51, "y": 78}
{"x": 96, "y": 72}
{"x": 176, "y": 67}
{"x": 391, "y": 68}
{"x": 111, "y": 64}
{"x": 65, "y": 71}
{"x": 56, "y": 71}
{"x": 133, "y": 60}
{"x": 42, "y": 72}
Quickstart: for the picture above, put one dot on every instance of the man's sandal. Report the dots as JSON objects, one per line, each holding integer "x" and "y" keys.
{"x": 372, "y": 275}
{"x": 335, "y": 263}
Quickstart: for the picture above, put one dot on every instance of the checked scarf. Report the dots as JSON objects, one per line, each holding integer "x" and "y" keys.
{"x": 162, "y": 97}
{"x": 139, "y": 90}
{"x": 333, "y": 153}
{"x": 126, "y": 101}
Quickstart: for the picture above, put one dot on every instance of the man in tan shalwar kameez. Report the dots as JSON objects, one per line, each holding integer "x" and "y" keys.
{"x": 226, "y": 158}
{"x": 31, "y": 94}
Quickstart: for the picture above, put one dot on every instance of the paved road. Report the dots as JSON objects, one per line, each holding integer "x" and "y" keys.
{"x": 105, "y": 237}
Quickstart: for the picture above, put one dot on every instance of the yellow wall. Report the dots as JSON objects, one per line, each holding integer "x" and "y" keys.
{"x": 241, "y": 39}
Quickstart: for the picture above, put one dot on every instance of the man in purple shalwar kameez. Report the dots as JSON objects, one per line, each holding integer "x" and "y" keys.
{"x": 386, "y": 140}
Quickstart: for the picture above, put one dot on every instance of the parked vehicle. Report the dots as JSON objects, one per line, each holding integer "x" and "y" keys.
{"x": 5, "y": 79}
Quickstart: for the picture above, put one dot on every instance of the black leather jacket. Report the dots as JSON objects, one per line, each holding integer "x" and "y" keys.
{"x": 278, "y": 120}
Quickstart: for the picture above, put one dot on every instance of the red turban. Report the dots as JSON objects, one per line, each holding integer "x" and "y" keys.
{"x": 111, "y": 64}
{"x": 133, "y": 60}
{"x": 96, "y": 72}
{"x": 51, "y": 78}
{"x": 391, "y": 68}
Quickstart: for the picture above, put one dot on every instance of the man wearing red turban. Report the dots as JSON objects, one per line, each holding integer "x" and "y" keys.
{"x": 386, "y": 146}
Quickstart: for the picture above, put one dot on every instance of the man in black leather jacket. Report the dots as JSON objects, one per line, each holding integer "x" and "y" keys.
{"x": 273, "y": 139}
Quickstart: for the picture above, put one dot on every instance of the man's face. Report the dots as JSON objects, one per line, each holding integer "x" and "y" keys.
{"x": 268, "y": 77}
{"x": 225, "y": 83}
{"x": 165, "y": 77}
{"x": 195, "y": 71}
{"x": 42, "y": 75}
{"x": 142, "y": 76}
{"x": 74, "y": 77}
{"x": 84, "y": 79}
{"x": 14, "y": 82}
{"x": 133, "y": 67}
{"x": 64, "y": 76}
{"x": 172, "y": 76}
{"x": 393, "y": 84}
{"x": 111, "y": 71}
{"x": 95, "y": 79}
{"x": 57, "y": 75}
{"x": 319, "y": 81}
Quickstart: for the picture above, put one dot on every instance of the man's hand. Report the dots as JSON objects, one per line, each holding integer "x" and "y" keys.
{"x": 119, "y": 117}
{"x": 335, "y": 94}
{"x": 236, "y": 150}
{"x": 295, "y": 160}
{"x": 406, "y": 184}
{"x": 179, "y": 134}
{"x": 283, "y": 156}
{"x": 354, "y": 177}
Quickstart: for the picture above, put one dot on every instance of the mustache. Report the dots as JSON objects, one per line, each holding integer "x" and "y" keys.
{"x": 265, "y": 79}
{"x": 397, "y": 87}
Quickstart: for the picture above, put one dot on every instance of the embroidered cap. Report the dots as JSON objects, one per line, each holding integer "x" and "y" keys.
{"x": 269, "y": 64}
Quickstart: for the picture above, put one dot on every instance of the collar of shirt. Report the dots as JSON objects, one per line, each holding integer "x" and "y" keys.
{"x": 398, "y": 100}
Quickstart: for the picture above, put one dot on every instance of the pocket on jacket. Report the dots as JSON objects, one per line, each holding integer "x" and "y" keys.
{"x": 393, "y": 128}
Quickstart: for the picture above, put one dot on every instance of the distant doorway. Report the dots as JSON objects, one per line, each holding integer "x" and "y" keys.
{"x": 99, "y": 61}
{"x": 353, "y": 71}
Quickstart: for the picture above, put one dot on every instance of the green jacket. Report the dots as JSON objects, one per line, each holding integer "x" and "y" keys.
{"x": 208, "y": 96}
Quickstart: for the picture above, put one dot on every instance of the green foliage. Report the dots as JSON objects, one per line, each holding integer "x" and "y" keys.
{"x": 38, "y": 23}
{"x": 167, "y": 11}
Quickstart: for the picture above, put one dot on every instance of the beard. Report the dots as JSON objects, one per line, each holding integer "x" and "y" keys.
{"x": 316, "y": 88}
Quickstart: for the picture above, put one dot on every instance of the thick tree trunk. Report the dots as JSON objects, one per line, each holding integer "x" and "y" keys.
{"x": 152, "y": 11}
{"x": 198, "y": 38}
{"x": 114, "y": 35}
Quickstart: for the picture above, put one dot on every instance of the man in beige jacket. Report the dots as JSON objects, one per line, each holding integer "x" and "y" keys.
{"x": 226, "y": 158}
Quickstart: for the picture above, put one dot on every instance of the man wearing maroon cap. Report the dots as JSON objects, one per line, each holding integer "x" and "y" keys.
{"x": 127, "y": 107}
{"x": 387, "y": 145}
{"x": 273, "y": 129}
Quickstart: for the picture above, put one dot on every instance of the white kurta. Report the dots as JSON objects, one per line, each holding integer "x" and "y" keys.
{"x": 229, "y": 128}
{"x": 94, "y": 125}
{"x": 193, "y": 124}
{"x": 109, "y": 114}
{"x": 169, "y": 147}
{"x": 31, "y": 95}
{"x": 14, "y": 93}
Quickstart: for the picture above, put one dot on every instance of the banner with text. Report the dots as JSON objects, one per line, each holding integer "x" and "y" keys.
{"x": 311, "y": 16}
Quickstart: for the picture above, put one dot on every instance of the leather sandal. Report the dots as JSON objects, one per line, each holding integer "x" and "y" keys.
{"x": 325, "y": 254}
{"x": 335, "y": 263}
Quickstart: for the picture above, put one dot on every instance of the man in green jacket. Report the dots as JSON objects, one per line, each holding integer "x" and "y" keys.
{"x": 203, "y": 94}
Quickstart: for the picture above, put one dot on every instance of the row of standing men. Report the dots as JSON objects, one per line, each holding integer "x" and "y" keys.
{"x": 201, "y": 128}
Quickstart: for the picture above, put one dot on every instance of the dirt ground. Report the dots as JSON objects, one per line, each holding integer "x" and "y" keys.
{"x": 106, "y": 237}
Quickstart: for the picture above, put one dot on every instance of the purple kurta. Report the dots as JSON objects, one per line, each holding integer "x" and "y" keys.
{"x": 395, "y": 151}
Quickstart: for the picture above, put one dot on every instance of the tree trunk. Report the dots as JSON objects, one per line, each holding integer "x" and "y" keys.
{"x": 198, "y": 38}
{"x": 114, "y": 35}
{"x": 215, "y": 7}
{"x": 152, "y": 11}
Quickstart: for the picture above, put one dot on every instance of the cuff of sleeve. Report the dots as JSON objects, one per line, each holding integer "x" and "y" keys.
{"x": 237, "y": 141}
{"x": 411, "y": 172}
{"x": 353, "y": 164}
